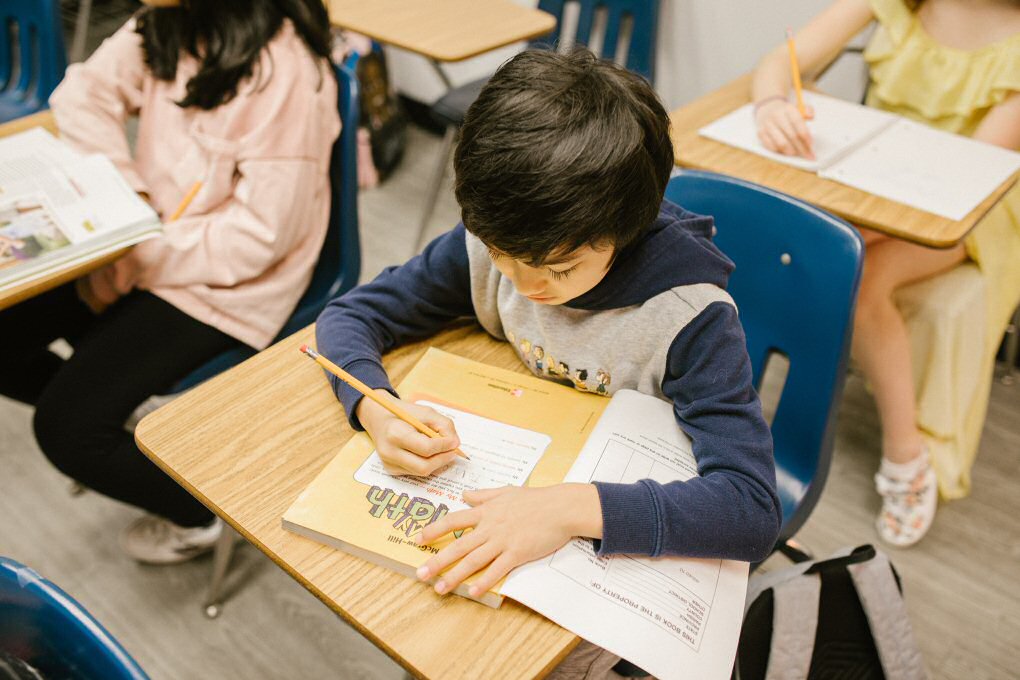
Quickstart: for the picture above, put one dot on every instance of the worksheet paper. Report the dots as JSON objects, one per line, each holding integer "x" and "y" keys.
{"x": 501, "y": 455}
{"x": 932, "y": 170}
{"x": 673, "y": 617}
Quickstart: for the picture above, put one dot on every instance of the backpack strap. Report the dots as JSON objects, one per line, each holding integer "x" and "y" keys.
{"x": 793, "y": 627}
{"x": 887, "y": 617}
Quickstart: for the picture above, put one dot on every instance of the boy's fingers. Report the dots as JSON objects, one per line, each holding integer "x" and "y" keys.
{"x": 449, "y": 555}
{"x": 407, "y": 462}
{"x": 411, "y": 440}
{"x": 497, "y": 570}
{"x": 443, "y": 425}
{"x": 462, "y": 519}
{"x": 809, "y": 112}
{"x": 803, "y": 136}
{"x": 789, "y": 130}
{"x": 472, "y": 562}
{"x": 478, "y": 496}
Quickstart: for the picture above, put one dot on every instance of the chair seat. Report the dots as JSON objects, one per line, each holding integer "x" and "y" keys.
{"x": 451, "y": 107}
{"x": 12, "y": 108}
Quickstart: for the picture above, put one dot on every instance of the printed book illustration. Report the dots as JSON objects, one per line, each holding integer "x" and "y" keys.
{"x": 885, "y": 154}
{"x": 58, "y": 208}
{"x": 681, "y": 614}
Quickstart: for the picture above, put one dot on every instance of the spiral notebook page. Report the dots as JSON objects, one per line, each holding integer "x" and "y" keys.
{"x": 925, "y": 168}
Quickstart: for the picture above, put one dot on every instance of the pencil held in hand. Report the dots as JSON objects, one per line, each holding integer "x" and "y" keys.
{"x": 384, "y": 401}
{"x": 186, "y": 201}
{"x": 795, "y": 74}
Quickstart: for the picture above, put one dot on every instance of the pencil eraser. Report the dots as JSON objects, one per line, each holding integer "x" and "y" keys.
{"x": 304, "y": 348}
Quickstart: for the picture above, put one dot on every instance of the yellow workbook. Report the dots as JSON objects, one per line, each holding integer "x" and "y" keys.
{"x": 517, "y": 429}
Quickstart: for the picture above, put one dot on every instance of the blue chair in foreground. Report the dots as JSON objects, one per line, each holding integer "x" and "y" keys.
{"x": 335, "y": 273}
{"x": 623, "y": 31}
{"x": 43, "y": 626}
{"x": 795, "y": 286}
{"x": 32, "y": 57}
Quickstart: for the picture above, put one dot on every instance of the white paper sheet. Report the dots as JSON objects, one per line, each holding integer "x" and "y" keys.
{"x": 928, "y": 169}
{"x": 673, "y": 617}
{"x": 837, "y": 129}
{"x": 501, "y": 455}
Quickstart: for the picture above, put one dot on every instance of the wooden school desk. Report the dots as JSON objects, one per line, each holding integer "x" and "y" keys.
{"x": 856, "y": 206}
{"x": 442, "y": 30}
{"x": 247, "y": 442}
{"x": 23, "y": 291}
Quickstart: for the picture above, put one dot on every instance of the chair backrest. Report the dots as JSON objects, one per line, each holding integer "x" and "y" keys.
{"x": 45, "y": 627}
{"x": 623, "y": 31}
{"x": 32, "y": 57}
{"x": 797, "y": 273}
{"x": 339, "y": 264}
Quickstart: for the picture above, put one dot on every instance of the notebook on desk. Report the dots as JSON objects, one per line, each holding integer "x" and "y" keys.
{"x": 59, "y": 208}
{"x": 886, "y": 155}
{"x": 674, "y": 617}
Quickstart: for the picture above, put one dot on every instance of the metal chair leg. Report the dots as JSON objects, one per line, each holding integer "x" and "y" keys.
{"x": 1012, "y": 348}
{"x": 221, "y": 561}
{"x": 81, "y": 30}
{"x": 435, "y": 184}
{"x": 795, "y": 551}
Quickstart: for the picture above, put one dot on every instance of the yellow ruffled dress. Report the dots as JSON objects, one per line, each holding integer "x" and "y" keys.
{"x": 953, "y": 340}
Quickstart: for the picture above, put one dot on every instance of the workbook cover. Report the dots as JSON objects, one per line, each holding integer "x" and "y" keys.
{"x": 516, "y": 428}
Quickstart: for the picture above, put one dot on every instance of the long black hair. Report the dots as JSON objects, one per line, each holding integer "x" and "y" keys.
{"x": 227, "y": 37}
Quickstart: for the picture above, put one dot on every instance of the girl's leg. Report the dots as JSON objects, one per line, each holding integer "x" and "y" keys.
{"x": 26, "y": 331}
{"x": 881, "y": 345}
{"x": 880, "y": 342}
{"x": 139, "y": 347}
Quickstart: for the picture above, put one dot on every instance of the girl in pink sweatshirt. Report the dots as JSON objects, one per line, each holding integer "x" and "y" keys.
{"x": 237, "y": 94}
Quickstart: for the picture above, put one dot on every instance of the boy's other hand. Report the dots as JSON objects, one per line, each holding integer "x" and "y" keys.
{"x": 403, "y": 449}
{"x": 510, "y": 526}
{"x": 782, "y": 129}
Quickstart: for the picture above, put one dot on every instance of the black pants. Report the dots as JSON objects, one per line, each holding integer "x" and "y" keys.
{"x": 138, "y": 347}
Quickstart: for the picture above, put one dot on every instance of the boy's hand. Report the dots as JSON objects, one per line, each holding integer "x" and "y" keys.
{"x": 511, "y": 525}
{"x": 782, "y": 129}
{"x": 403, "y": 449}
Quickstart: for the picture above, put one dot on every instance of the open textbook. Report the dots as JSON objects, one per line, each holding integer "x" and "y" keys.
{"x": 671, "y": 616}
{"x": 59, "y": 208}
{"x": 886, "y": 155}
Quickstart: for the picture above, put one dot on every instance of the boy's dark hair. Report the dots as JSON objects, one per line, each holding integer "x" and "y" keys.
{"x": 227, "y": 38}
{"x": 561, "y": 151}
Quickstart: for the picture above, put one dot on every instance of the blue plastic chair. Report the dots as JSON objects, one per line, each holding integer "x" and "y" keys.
{"x": 339, "y": 263}
{"x": 795, "y": 285}
{"x": 32, "y": 57}
{"x": 633, "y": 49}
{"x": 45, "y": 627}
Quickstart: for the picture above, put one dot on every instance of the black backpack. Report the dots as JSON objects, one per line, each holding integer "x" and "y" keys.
{"x": 842, "y": 617}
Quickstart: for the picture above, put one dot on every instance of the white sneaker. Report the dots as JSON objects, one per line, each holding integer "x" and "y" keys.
{"x": 154, "y": 540}
{"x": 908, "y": 505}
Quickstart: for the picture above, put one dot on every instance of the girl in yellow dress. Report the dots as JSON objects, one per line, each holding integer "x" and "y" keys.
{"x": 955, "y": 65}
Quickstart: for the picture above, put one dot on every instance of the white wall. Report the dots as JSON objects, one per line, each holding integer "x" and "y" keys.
{"x": 702, "y": 45}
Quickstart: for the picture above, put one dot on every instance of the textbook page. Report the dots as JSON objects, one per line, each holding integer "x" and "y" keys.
{"x": 673, "y": 617}
{"x": 837, "y": 129}
{"x": 501, "y": 455}
{"x": 935, "y": 171}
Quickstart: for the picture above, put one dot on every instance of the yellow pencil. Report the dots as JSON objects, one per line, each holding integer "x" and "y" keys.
{"x": 387, "y": 404}
{"x": 186, "y": 201}
{"x": 795, "y": 73}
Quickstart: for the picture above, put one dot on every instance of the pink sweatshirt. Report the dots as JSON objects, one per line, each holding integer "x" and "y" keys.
{"x": 242, "y": 254}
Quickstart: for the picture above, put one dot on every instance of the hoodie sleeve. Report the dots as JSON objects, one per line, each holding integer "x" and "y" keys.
{"x": 403, "y": 303}
{"x": 732, "y": 510}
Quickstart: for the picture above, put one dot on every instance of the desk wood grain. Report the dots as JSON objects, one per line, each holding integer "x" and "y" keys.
{"x": 249, "y": 441}
{"x": 444, "y": 30}
{"x": 856, "y": 206}
{"x": 23, "y": 291}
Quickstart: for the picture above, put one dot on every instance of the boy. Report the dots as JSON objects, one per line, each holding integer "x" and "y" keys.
{"x": 567, "y": 244}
